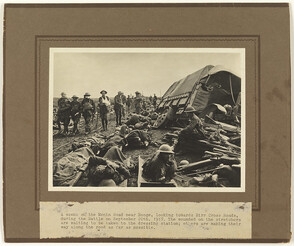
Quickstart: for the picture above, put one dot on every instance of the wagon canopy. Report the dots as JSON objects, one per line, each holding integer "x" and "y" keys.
{"x": 186, "y": 84}
{"x": 211, "y": 84}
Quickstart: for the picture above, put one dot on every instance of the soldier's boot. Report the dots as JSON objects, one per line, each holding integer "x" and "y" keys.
{"x": 106, "y": 122}
{"x": 65, "y": 131}
{"x": 74, "y": 130}
{"x": 103, "y": 125}
{"x": 59, "y": 127}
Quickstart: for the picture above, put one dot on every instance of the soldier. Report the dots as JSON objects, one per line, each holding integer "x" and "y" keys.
{"x": 88, "y": 109}
{"x": 124, "y": 101}
{"x": 75, "y": 113}
{"x": 138, "y": 102}
{"x": 161, "y": 166}
{"x": 129, "y": 103}
{"x": 118, "y": 105}
{"x": 63, "y": 114}
{"x": 104, "y": 103}
{"x": 154, "y": 101}
{"x": 193, "y": 132}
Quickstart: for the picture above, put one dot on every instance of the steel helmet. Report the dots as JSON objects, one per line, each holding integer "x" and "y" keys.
{"x": 184, "y": 162}
{"x": 190, "y": 109}
{"x": 165, "y": 148}
{"x": 137, "y": 125}
{"x": 74, "y": 96}
{"x": 87, "y": 94}
{"x": 107, "y": 182}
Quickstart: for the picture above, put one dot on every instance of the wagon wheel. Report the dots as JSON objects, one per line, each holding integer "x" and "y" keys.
{"x": 161, "y": 120}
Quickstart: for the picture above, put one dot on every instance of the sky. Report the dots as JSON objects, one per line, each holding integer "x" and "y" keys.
{"x": 150, "y": 73}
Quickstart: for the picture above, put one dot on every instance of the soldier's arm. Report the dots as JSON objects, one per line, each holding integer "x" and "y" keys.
{"x": 68, "y": 105}
{"x": 80, "y": 108}
{"x": 115, "y": 100}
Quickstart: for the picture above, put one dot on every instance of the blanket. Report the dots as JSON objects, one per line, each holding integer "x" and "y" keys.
{"x": 69, "y": 166}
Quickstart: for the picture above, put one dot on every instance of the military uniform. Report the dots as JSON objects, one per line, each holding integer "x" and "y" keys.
{"x": 104, "y": 103}
{"x": 156, "y": 169}
{"x": 124, "y": 101}
{"x": 138, "y": 104}
{"x": 189, "y": 135}
{"x": 75, "y": 115}
{"x": 118, "y": 108}
{"x": 88, "y": 109}
{"x": 63, "y": 114}
{"x": 129, "y": 104}
{"x": 154, "y": 101}
{"x": 137, "y": 139}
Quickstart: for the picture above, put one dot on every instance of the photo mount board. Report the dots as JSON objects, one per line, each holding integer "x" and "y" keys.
{"x": 26, "y": 69}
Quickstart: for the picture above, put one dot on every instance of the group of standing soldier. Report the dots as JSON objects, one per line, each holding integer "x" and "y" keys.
{"x": 74, "y": 109}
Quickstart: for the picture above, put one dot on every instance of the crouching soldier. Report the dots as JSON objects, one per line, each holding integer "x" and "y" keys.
{"x": 161, "y": 167}
{"x": 63, "y": 114}
{"x": 75, "y": 113}
{"x": 88, "y": 109}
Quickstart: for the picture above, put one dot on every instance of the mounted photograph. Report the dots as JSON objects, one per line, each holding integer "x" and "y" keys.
{"x": 147, "y": 119}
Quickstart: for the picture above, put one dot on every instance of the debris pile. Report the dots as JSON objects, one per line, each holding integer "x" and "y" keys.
{"x": 221, "y": 158}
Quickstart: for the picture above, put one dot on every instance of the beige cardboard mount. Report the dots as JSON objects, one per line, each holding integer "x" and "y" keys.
{"x": 262, "y": 29}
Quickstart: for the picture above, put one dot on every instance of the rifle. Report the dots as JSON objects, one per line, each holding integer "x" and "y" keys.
{"x": 195, "y": 165}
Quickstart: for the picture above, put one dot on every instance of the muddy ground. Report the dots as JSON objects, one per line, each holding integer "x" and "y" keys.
{"x": 62, "y": 145}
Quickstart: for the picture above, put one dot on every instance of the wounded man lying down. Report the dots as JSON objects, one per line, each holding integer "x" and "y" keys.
{"x": 109, "y": 170}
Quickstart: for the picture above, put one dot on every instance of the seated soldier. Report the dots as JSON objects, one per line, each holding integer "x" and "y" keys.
{"x": 189, "y": 135}
{"x": 161, "y": 167}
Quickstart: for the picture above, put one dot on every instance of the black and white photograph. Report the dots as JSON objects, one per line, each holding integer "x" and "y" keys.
{"x": 147, "y": 119}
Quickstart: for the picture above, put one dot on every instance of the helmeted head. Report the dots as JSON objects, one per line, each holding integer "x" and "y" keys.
{"x": 103, "y": 92}
{"x": 107, "y": 182}
{"x": 228, "y": 109}
{"x": 123, "y": 130}
{"x": 63, "y": 94}
{"x": 87, "y": 95}
{"x": 74, "y": 97}
{"x": 117, "y": 130}
{"x": 165, "y": 151}
{"x": 184, "y": 162}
